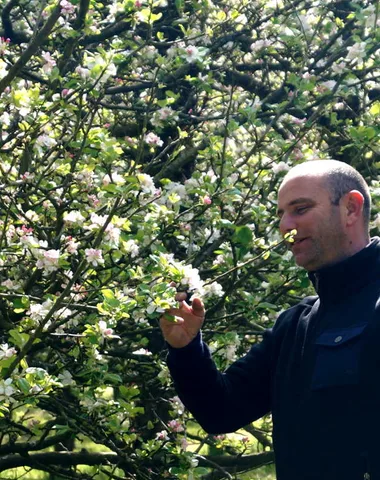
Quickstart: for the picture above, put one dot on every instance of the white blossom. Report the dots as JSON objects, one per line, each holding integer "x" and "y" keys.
{"x": 116, "y": 178}
{"x": 259, "y": 45}
{"x": 66, "y": 378}
{"x": 6, "y": 390}
{"x": 142, "y": 351}
{"x": 280, "y": 167}
{"x": 146, "y": 183}
{"x": 213, "y": 289}
{"x": 6, "y": 351}
{"x": 131, "y": 247}
{"x": 74, "y": 217}
{"x": 329, "y": 84}
{"x": 356, "y": 52}
{"x": 38, "y": 311}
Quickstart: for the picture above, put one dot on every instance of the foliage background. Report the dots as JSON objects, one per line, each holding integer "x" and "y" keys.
{"x": 142, "y": 143}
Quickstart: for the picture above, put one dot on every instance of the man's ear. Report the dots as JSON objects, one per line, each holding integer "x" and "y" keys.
{"x": 354, "y": 204}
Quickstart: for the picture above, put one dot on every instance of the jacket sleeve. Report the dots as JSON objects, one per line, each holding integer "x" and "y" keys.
{"x": 223, "y": 402}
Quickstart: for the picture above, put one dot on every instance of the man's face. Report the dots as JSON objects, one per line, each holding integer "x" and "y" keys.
{"x": 304, "y": 204}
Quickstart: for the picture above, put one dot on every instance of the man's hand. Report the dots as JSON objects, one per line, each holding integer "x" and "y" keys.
{"x": 187, "y": 322}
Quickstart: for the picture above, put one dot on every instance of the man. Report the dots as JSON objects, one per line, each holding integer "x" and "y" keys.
{"x": 318, "y": 370}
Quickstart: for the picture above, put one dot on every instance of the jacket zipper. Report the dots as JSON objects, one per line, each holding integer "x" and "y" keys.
{"x": 367, "y": 475}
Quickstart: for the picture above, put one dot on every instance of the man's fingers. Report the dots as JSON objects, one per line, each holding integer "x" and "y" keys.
{"x": 198, "y": 307}
{"x": 181, "y": 296}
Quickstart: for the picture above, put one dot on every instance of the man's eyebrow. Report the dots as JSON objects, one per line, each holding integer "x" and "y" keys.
{"x": 296, "y": 201}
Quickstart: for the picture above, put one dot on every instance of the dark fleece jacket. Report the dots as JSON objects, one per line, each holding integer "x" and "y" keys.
{"x": 317, "y": 371}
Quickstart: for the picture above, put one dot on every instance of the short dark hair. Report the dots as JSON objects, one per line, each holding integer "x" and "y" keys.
{"x": 339, "y": 178}
{"x": 342, "y": 179}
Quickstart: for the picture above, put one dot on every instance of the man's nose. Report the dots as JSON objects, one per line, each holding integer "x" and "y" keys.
{"x": 287, "y": 224}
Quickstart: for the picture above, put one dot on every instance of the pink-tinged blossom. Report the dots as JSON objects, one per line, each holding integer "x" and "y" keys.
{"x": 163, "y": 435}
{"x": 49, "y": 64}
{"x": 11, "y": 285}
{"x": 6, "y": 351}
{"x": 4, "y": 42}
{"x": 338, "y": 67}
{"x": 175, "y": 426}
{"x": 106, "y": 331}
{"x": 184, "y": 443}
{"x": 163, "y": 115}
{"x": 298, "y": 155}
{"x": 94, "y": 200}
{"x": 193, "y": 53}
{"x": 153, "y": 139}
{"x": 79, "y": 292}
{"x": 67, "y": 8}
{"x": 84, "y": 73}
{"x": 112, "y": 237}
{"x": 72, "y": 246}
{"x": 206, "y": 200}
{"x": 94, "y": 256}
{"x": 27, "y": 177}
{"x": 49, "y": 261}
{"x": 45, "y": 140}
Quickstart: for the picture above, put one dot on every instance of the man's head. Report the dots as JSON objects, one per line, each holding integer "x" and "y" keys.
{"x": 328, "y": 203}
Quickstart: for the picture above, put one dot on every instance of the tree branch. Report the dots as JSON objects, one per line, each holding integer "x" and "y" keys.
{"x": 39, "y": 460}
{"x": 32, "y": 48}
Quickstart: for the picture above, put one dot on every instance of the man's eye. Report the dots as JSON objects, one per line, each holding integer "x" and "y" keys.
{"x": 302, "y": 210}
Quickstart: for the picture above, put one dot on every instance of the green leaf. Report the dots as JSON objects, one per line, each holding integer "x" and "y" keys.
{"x": 19, "y": 339}
{"x": 113, "y": 378}
{"x": 23, "y": 385}
{"x": 110, "y": 298}
{"x": 201, "y": 471}
{"x": 179, "y": 5}
{"x": 243, "y": 235}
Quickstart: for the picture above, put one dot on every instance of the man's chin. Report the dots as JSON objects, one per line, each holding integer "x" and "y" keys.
{"x": 305, "y": 263}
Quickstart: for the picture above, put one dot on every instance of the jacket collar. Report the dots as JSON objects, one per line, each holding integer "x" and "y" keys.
{"x": 335, "y": 282}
